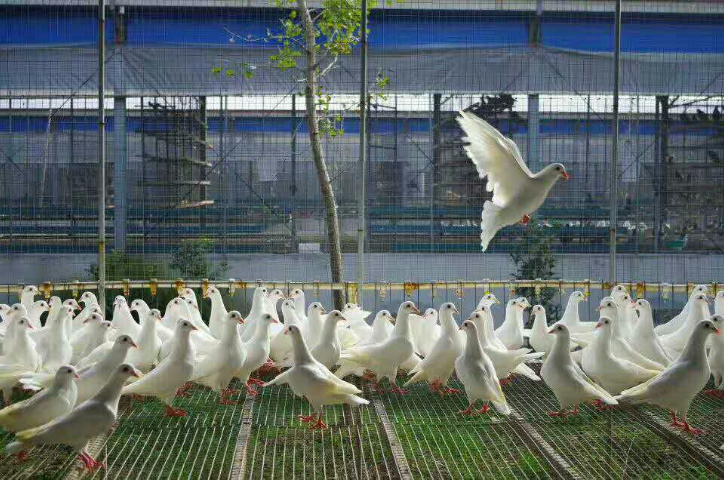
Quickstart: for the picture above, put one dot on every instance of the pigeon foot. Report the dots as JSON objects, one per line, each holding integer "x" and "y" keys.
{"x": 306, "y": 418}
{"x": 319, "y": 424}
{"x": 250, "y": 390}
{"x": 485, "y": 409}
{"x": 175, "y": 412}
{"x": 399, "y": 390}
{"x": 21, "y": 456}
{"x": 715, "y": 392}
{"x": 505, "y": 381}
{"x": 689, "y": 429}
{"x": 468, "y": 411}
{"x": 255, "y": 381}
{"x": 525, "y": 220}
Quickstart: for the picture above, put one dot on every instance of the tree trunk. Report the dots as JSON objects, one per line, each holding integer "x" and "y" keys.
{"x": 333, "y": 243}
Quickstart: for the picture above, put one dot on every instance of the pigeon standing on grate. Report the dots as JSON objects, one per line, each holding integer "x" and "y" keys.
{"x": 675, "y": 342}
{"x": 678, "y": 321}
{"x": 36, "y": 310}
{"x": 20, "y": 356}
{"x": 123, "y": 320}
{"x": 612, "y": 373}
{"x": 315, "y": 322}
{"x": 27, "y": 299}
{"x": 146, "y": 355}
{"x": 203, "y": 342}
{"x": 44, "y": 407}
{"x": 258, "y": 308}
{"x": 716, "y": 358}
{"x": 675, "y": 388}
{"x": 93, "y": 377}
{"x": 385, "y": 358}
{"x": 281, "y": 344}
{"x": 539, "y": 338}
{"x": 310, "y": 379}
{"x": 142, "y": 309}
{"x": 217, "y": 368}
{"x": 511, "y": 331}
{"x": 328, "y": 350}
{"x": 78, "y": 427}
{"x": 719, "y": 303}
{"x": 96, "y": 335}
{"x": 378, "y": 333}
{"x": 437, "y": 367}
{"x": 505, "y": 361}
{"x": 196, "y": 319}
{"x": 217, "y": 317}
{"x": 571, "y": 317}
{"x": 172, "y": 373}
{"x": 626, "y": 314}
{"x": 300, "y": 304}
{"x": 569, "y": 384}
{"x": 645, "y": 339}
{"x": 477, "y": 374}
{"x": 425, "y": 331}
{"x": 257, "y": 353}
{"x": 517, "y": 192}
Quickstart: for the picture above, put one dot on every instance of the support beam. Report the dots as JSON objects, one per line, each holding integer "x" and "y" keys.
{"x": 613, "y": 220}
{"x": 120, "y": 169}
{"x": 362, "y": 180}
{"x": 534, "y": 132}
{"x": 101, "y": 153}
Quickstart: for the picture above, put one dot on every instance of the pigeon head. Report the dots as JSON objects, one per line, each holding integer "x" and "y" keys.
{"x": 187, "y": 292}
{"x": 154, "y": 313}
{"x": 560, "y": 330}
{"x": 537, "y": 310}
{"x": 385, "y": 314}
{"x": 720, "y": 294}
{"x": 449, "y": 307}
{"x": 522, "y": 302}
{"x": 234, "y": 316}
{"x": 269, "y": 318}
{"x": 431, "y": 313}
{"x": 288, "y": 303}
{"x": 24, "y": 322}
{"x": 579, "y": 296}
{"x": 88, "y": 297}
{"x": 316, "y": 307}
{"x": 604, "y": 322}
{"x": 191, "y": 302}
{"x": 72, "y": 304}
{"x": 126, "y": 341}
{"x": 470, "y": 329}
{"x": 350, "y": 306}
{"x": 296, "y": 293}
{"x": 137, "y": 304}
{"x": 607, "y": 306}
{"x": 642, "y": 304}
{"x": 718, "y": 321}
{"x": 336, "y": 315}
{"x": 105, "y": 325}
{"x": 211, "y": 290}
{"x": 31, "y": 289}
{"x": 276, "y": 295}
{"x": 702, "y": 298}
{"x": 127, "y": 370}
{"x": 67, "y": 373}
{"x": 41, "y": 305}
{"x": 701, "y": 289}
{"x": 292, "y": 330}
{"x": 477, "y": 315}
{"x": 554, "y": 171}
{"x": 119, "y": 300}
{"x": 185, "y": 326}
{"x": 17, "y": 310}
{"x": 93, "y": 317}
{"x": 4, "y": 308}
{"x": 262, "y": 291}
{"x": 490, "y": 299}
{"x": 409, "y": 307}
{"x": 55, "y": 301}
{"x": 708, "y": 327}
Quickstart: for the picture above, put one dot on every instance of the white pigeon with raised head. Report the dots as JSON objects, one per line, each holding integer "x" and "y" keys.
{"x": 385, "y": 358}
{"x": 281, "y": 344}
{"x": 505, "y": 361}
{"x": 315, "y": 322}
{"x": 511, "y": 331}
{"x": 54, "y": 303}
{"x": 27, "y": 298}
{"x": 539, "y": 338}
{"x": 16, "y": 310}
{"x": 644, "y": 338}
{"x": 517, "y": 192}
{"x": 675, "y": 388}
{"x": 300, "y": 304}
{"x": 477, "y": 374}
{"x": 196, "y": 317}
{"x": 20, "y": 357}
{"x": 678, "y": 321}
{"x": 142, "y": 308}
{"x": 172, "y": 373}
{"x": 716, "y": 358}
{"x": 522, "y": 369}
{"x": 217, "y": 368}
{"x": 148, "y": 346}
{"x": 612, "y": 373}
{"x": 36, "y": 311}
{"x": 569, "y": 384}
{"x": 328, "y": 349}
{"x": 258, "y": 308}
{"x": 97, "y": 334}
{"x": 487, "y": 300}
{"x": 699, "y": 311}
{"x": 70, "y": 302}
{"x": 217, "y": 317}
{"x": 378, "y": 334}
{"x": 257, "y": 352}
{"x": 54, "y": 348}
{"x": 627, "y": 317}
{"x": 203, "y": 342}
{"x": 437, "y": 367}
{"x": 310, "y": 379}
{"x": 123, "y": 320}
{"x": 44, "y": 407}
{"x": 571, "y": 317}
{"x": 425, "y": 331}
{"x": 78, "y": 427}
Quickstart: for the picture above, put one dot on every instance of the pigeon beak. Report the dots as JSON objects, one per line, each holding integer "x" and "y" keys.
{"x": 496, "y": 302}
{"x": 415, "y": 310}
{"x": 241, "y": 320}
{"x": 343, "y": 319}
{"x": 565, "y": 176}
{"x": 275, "y": 320}
{"x": 552, "y": 331}
{"x": 193, "y": 328}
{"x": 599, "y": 325}
{"x": 31, "y": 327}
{"x": 136, "y": 373}
{"x": 455, "y": 310}
{"x": 76, "y": 376}
{"x": 86, "y": 321}
{"x": 323, "y": 312}
{"x": 133, "y": 344}
{"x": 598, "y": 309}
{"x": 286, "y": 331}
{"x": 460, "y": 327}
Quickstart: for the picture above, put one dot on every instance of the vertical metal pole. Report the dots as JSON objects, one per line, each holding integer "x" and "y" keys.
{"x": 533, "y": 130}
{"x": 101, "y": 153}
{"x": 295, "y": 244}
{"x": 120, "y": 171}
{"x": 435, "y": 130}
{"x": 614, "y": 158}
{"x": 361, "y": 222}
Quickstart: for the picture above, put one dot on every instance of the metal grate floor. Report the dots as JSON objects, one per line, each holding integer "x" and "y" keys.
{"x": 434, "y": 440}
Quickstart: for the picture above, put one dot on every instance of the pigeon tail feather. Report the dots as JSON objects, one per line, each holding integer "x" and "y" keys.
{"x": 490, "y": 223}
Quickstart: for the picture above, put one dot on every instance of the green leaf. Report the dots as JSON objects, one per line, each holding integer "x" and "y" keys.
{"x": 216, "y": 70}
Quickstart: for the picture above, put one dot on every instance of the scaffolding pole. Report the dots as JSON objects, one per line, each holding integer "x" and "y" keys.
{"x": 614, "y": 157}
{"x": 361, "y": 223}
{"x": 101, "y": 153}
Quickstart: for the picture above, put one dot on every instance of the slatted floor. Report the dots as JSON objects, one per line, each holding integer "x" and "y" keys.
{"x": 436, "y": 441}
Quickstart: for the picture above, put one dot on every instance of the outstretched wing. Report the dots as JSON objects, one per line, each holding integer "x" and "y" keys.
{"x": 495, "y": 157}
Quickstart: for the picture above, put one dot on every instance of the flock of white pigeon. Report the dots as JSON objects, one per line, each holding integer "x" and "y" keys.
{"x": 81, "y": 365}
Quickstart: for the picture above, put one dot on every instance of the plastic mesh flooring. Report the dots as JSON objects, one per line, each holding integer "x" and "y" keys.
{"x": 433, "y": 440}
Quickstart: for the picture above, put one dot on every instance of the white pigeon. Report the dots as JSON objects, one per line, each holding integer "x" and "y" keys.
{"x": 54, "y": 348}
{"x": 148, "y": 346}
{"x": 645, "y": 339}
{"x": 511, "y": 331}
{"x": 97, "y": 334}
{"x": 540, "y": 339}
{"x": 44, "y": 407}
{"x": 676, "y": 387}
{"x": 698, "y": 312}
{"x": 571, "y": 318}
{"x": 257, "y": 353}
{"x": 517, "y": 192}
{"x": 54, "y": 303}
{"x": 315, "y": 322}
{"x": 678, "y": 321}
{"x": 90, "y": 305}
{"x": 716, "y": 358}
{"x": 310, "y": 379}
{"x": 78, "y": 427}
{"x": 218, "y": 312}
{"x": 281, "y": 344}
{"x": 328, "y": 350}
{"x": 27, "y": 297}
{"x": 268, "y": 306}
{"x": 569, "y": 384}
{"x": 522, "y": 368}
{"x": 477, "y": 374}
{"x": 172, "y": 373}
{"x": 258, "y": 308}
{"x": 425, "y": 331}
{"x": 217, "y": 368}
{"x": 35, "y": 312}
{"x": 385, "y": 358}
{"x": 142, "y": 308}
{"x": 487, "y": 300}
{"x": 17, "y": 310}
{"x": 626, "y": 314}
{"x": 378, "y": 334}
{"x": 612, "y": 373}
{"x": 437, "y": 367}
{"x": 196, "y": 316}
{"x": 719, "y": 303}
{"x": 21, "y": 357}
{"x": 300, "y": 304}
{"x": 505, "y": 361}
{"x": 93, "y": 377}
{"x": 203, "y": 342}
{"x": 123, "y": 320}
{"x": 70, "y": 302}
